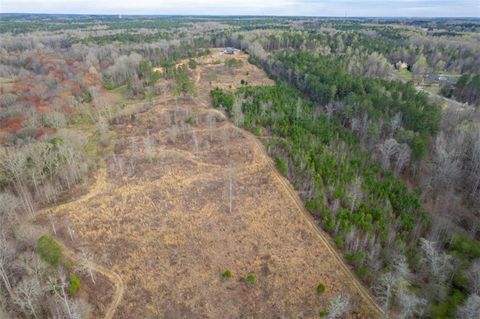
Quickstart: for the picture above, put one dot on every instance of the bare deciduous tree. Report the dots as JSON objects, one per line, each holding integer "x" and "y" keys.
{"x": 70, "y": 230}
{"x": 52, "y": 223}
{"x": 411, "y": 306}
{"x": 195, "y": 142}
{"x": 470, "y": 308}
{"x": 6, "y": 254}
{"x": 88, "y": 264}
{"x": 28, "y": 294}
{"x": 59, "y": 286}
{"x": 355, "y": 192}
{"x": 438, "y": 263}
{"x": 473, "y": 277}
{"x": 13, "y": 166}
{"x": 338, "y": 307}
{"x": 102, "y": 126}
{"x": 385, "y": 289}
{"x": 387, "y": 150}
{"x": 230, "y": 189}
{"x": 81, "y": 309}
{"x": 238, "y": 117}
{"x": 148, "y": 147}
{"x": 211, "y": 125}
{"x": 173, "y": 133}
{"x": 447, "y": 165}
{"x": 8, "y": 206}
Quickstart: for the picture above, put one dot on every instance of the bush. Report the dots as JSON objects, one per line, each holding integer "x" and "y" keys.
{"x": 227, "y": 274}
{"x": 49, "y": 250}
{"x": 251, "y": 279}
{"x": 74, "y": 284}
{"x": 323, "y": 313}
{"x": 462, "y": 245}
{"x": 448, "y": 307}
{"x": 320, "y": 288}
{"x": 189, "y": 120}
{"x": 281, "y": 165}
{"x": 192, "y": 64}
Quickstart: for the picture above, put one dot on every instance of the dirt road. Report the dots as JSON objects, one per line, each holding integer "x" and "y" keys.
{"x": 321, "y": 235}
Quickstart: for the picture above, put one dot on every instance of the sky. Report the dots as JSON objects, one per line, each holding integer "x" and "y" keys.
{"x": 357, "y": 8}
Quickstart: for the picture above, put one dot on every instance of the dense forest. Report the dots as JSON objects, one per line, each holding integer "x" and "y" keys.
{"x": 386, "y": 159}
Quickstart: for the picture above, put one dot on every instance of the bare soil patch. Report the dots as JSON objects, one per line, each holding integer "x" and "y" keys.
{"x": 158, "y": 216}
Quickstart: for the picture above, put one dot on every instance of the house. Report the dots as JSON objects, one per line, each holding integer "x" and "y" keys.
{"x": 229, "y": 51}
{"x": 440, "y": 78}
{"x": 400, "y": 65}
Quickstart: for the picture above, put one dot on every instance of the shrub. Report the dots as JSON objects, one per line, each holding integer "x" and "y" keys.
{"x": 465, "y": 246}
{"x": 87, "y": 97}
{"x": 192, "y": 64}
{"x": 227, "y": 274}
{"x": 281, "y": 165}
{"x": 74, "y": 284}
{"x": 189, "y": 120}
{"x": 323, "y": 313}
{"x": 320, "y": 288}
{"x": 251, "y": 279}
{"x": 49, "y": 250}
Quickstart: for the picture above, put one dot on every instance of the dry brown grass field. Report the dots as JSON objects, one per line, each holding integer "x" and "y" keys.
{"x": 158, "y": 215}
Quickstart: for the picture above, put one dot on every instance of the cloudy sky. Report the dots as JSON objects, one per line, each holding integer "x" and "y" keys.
{"x": 410, "y": 8}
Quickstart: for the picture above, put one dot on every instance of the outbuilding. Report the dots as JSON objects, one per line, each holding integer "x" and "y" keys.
{"x": 229, "y": 51}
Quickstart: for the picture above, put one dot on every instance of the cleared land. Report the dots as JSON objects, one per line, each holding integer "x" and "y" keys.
{"x": 159, "y": 216}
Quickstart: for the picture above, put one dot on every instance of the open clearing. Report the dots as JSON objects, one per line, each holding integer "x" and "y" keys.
{"x": 158, "y": 215}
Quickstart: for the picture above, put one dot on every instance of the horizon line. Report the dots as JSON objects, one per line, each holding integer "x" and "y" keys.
{"x": 237, "y": 15}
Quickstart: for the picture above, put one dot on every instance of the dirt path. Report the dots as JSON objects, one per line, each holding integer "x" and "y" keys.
{"x": 112, "y": 276}
{"x": 321, "y": 235}
{"x": 99, "y": 186}
{"x": 438, "y": 97}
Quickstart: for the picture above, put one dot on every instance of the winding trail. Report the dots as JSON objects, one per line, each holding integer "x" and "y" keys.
{"x": 112, "y": 276}
{"x": 99, "y": 186}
